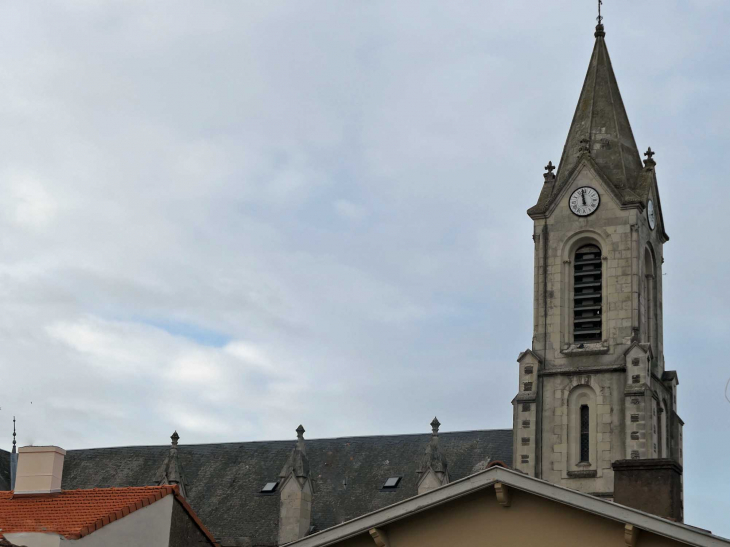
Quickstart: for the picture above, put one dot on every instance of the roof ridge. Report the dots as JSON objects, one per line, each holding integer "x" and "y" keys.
{"x": 288, "y": 440}
{"x": 115, "y": 488}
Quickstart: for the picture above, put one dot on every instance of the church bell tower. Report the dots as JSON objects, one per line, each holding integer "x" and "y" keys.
{"x": 593, "y": 388}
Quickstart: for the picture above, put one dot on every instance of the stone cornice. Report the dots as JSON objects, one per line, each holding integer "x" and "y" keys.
{"x": 572, "y": 371}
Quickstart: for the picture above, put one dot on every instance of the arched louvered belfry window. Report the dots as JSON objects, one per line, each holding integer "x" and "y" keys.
{"x": 587, "y": 294}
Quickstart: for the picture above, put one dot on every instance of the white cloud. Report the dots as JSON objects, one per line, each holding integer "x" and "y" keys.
{"x": 249, "y": 354}
{"x": 28, "y": 202}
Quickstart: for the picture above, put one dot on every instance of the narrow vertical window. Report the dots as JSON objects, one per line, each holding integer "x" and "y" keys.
{"x": 649, "y": 300}
{"x": 587, "y": 296}
{"x": 584, "y": 434}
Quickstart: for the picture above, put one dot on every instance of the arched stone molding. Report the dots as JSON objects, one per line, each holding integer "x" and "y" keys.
{"x": 648, "y": 297}
{"x": 664, "y": 428}
{"x": 595, "y": 391}
{"x": 579, "y": 396}
{"x": 568, "y": 247}
{"x": 655, "y": 426}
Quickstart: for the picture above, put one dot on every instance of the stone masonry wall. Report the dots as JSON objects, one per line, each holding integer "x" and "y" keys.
{"x": 620, "y": 377}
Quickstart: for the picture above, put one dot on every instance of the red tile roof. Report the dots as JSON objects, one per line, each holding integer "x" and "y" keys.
{"x": 77, "y": 513}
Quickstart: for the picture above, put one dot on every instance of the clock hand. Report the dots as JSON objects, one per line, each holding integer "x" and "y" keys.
{"x": 583, "y": 196}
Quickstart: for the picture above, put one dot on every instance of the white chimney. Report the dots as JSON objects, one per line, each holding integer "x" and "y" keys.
{"x": 40, "y": 469}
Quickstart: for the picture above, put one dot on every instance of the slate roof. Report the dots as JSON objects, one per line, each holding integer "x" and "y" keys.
{"x": 4, "y": 470}
{"x": 223, "y": 480}
{"x": 601, "y": 119}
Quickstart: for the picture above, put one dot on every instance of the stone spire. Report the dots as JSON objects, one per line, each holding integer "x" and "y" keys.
{"x": 13, "y": 460}
{"x": 600, "y": 130}
{"x": 295, "y": 490}
{"x": 600, "y": 118}
{"x": 171, "y": 471}
{"x": 433, "y": 468}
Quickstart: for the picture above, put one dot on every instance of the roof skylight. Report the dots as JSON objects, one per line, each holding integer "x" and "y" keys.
{"x": 269, "y": 488}
{"x": 391, "y": 483}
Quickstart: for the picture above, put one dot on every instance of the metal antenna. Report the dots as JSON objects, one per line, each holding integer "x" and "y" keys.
{"x": 600, "y": 17}
{"x": 13, "y": 433}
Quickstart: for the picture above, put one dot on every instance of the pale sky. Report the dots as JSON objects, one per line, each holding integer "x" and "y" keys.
{"x": 230, "y": 218}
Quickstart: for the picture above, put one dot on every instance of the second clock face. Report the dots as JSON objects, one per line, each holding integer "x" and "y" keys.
{"x": 584, "y": 201}
{"x": 650, "y": 214}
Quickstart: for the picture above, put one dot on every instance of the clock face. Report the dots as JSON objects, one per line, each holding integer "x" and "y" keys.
{"x": 584, "y": 201}
{"x": 650, "y": 214}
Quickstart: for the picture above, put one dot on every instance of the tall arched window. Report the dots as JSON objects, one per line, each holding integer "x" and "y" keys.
{"x": 664, "y": 426}
{"x": 649, "y": 298}
{"x": 587, "y": 294}
{"x": 585, "y": 434}
{"x": 582, "y": 446}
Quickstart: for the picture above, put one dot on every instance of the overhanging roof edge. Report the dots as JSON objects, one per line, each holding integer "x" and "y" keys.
{"x": 485, "y": 479}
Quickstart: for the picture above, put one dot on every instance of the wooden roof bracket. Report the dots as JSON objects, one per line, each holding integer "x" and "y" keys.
{"x": 631, "y": 535}
{"x": 504, "y": 496}
{"x": 380, "y": 537}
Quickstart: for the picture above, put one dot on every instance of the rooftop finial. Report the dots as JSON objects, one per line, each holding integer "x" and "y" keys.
{"x": 297, "y": 462}
{"x": 300, "y": 438}
{"x": 649, "y": 161}
{"x": 549, "y": 175}
{"x": 13, "y": 461}
{"x": 599, "y": 27}
{"x": 433, "y": 463}
{"x": 171, "y": 471}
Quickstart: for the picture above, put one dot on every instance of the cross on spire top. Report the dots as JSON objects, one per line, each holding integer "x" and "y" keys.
{"x": 649, "y": 153}
{"x": 550, "y": 167}
{"x": 600, "y": 32}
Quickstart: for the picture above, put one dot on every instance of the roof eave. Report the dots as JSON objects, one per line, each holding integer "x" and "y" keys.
{"x": 487, "y": 478}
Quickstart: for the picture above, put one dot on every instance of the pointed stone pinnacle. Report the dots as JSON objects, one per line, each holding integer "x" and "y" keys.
{"x": 300, "y": 431}
{"x": 549, "y": 175}
{"x": 435, "y": 425}
{"x": 649, "y": 161}
{"x": 175, "y": 437}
